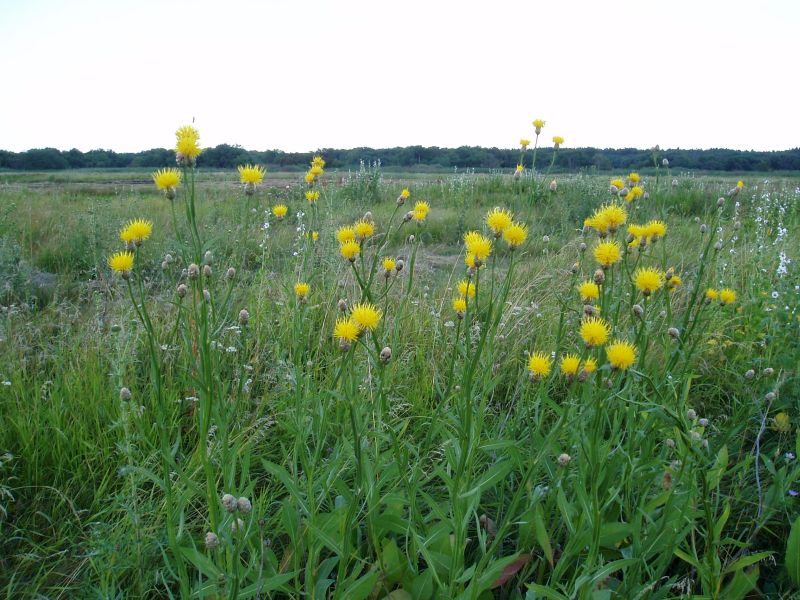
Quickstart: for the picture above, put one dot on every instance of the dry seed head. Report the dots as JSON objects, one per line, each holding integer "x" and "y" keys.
{"x": 244, "y": 316}
{"x": 194, "y": 271}
{"x": 229, "y": 503}
{"x": 244, "y": 506}
{"x": 386, "y": 355}
{"x": 124, "y": 394}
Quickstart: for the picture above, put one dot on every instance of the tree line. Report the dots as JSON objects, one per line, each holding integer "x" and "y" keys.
{"x": 412, "y": 158}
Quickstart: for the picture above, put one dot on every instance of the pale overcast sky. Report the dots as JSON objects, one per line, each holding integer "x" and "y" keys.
{"x": 301, "y": 75}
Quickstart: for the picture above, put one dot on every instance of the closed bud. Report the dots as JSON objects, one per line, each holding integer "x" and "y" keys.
{"x": 673, "y": 333}
{"x": 553, "y": 186}
{"x": 624, "y": 191}
{"x": 670, "y": 443}
{"x": 638, "y": 310}
{"x": 582, "y": 247}
{"x": 589, "y": 310}
{"x": 244, "y": 316}
{"x": 208, "y": 258}
{"x": 207, "y": 295}
{"x": 237, "y": 525}
{"x": 770, "y": 396}
{"x": 703, "y": 422}
{"x": 718, "y": 246}
{"x": 691, "y": 414}
{"x": 399, "y": 266}
{"x": 230, "y": 273}
{"x": 124, "y": 394}
{"x": 182, "y": 290}
{"x": 411, "y": 239}
{"x": 703, "y": 228}
{"x": 721, "y": 202}
{"x": 704, "y": 444}
{"x": 574, "y": 268}
{"x": 408, "y": 216}
{"x": 207, "y": 271}
{"x": 665, "y": 163}
{"x": 212, "y": 541}
{"x": 368, "y": 216}
{"x": 400, "y": 200}
{"x": 768, "y": 371}
{"x": 669, "y": 274}
{"x": 599, "y": 276}
{"x": 749, "y": 374}
{"x": 546, "y": 239}
{"x": 229, "y": 503}
{"x": 164, "y": 265}
{"x": 386, "y": 355}
{"x": 342, "y": 305}
{"x": 737, "y": 226}
{"x": 563, "y": 459}
{"x": 244, "y": 506}
{"x": 695, "y": 435}
{"x": 194, "y": 271}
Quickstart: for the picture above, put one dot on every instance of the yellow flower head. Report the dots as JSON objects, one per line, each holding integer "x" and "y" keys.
{"x": 515, "y": 235}
{"x": 350, "y": 250}
{"x": 634, "y": 178}
{"x": 314, "y": 235}
{"x": 405, "y": 194}
{"x": 460, "y": 305}
{"x": 365, "y": 315}
{"x": 621, "y": 354}
{"x": 346, "y": 329}
{"x": 596, "y": 223}
{"x": 712, "y": 294}
{"x": 121, "y": 262}
{"x": 589, "y": 291}
{"x": 167, "y": 179}
{"x": 498, "y": 219}
{"x": 648, "y": 280}
{"x": 781, "y": 423}
{"x": 466, "y": 289}
{"x": 558, "y": 140}
{"x": 617, "y": 183}
{"x": 136, "y": 231}
{"x": 301, "y": 289}
{"x": 420, "y": 211}
{"x": 655, "y": 229}
{"x": 520, "y": 168}
{"x": 469, "y": 260}
{"x": 316, "y": 171}
{"x": 364, "y": 229}
{"x": 312, "y": 196}
{"x": 187, "y": 143}
{"x": 478, "y": 245}
{"x": 524, "y": 143}
{"x": 727, "y": 296}
{"x": 318, "y": 161}
{"x": 740, "y": 184}
{"x": 590, "y": 365}
{"x": 612, "y": 215}
{"x": 570, "y": 364}
{"x": 594, "y": 331}
{"x": 637, "y": 191}
{"x": 280, "y": 210}
{"x": 309, "y": 177}
{"x": 252, "y": 174}
{"x": 607, "y": 253}
{"x": 538, "y": 124}
{"x": 389, "y": 264}
{"x": 345, "y": 234}
{"x": 539, "y": 364}
{"x": 674, "y": 282}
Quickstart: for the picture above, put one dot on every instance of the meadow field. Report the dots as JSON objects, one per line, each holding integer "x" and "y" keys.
{"x": 363, "y": 385}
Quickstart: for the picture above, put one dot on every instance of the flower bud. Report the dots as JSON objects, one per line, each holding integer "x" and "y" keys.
{"x": 749, "y": 374}
{"x": 563, "y": 459}
{"x": 386, "y": 355}
{"x": 582, "y": 247}
{"x": 768, "y": 371}
{"x": 212, "y": 541}
{"x": 691, "y": 414}
{"x": 665, "y": 163}
{"x": 669, "y": 274}
{"x": 704, "y": 444}
{"x": 182, "y": 290}
{"x": 673, "y": 332}
{"x": 207, "y": 271}
{"x": 599, "y": 276}
{"x": 401, "y": 200}
{"x": 695, "y": 435}
{"x": 194, "y": 271}
{"x": 244, "y": 316}
{"x": 553, "y": 186}
{"x": 230, "y": 273}
{"x": 411, "y": 239}
{"x": 703, "y": 422}
{"x": 164, "y": 265}
{"x": 342, "y": 305}
{"x": 589, "y": 310}
{"x": 574, "y": 268}
{"x": 770, "y": 396}
{"x": 399, "y": 266}
{"x": 546, "y": 239}
{"x": 244, "y": 506}
{"x": 408, "y": 216}
{"x": 624, "y": 191}
{"x": 208, "y": 258}
{"x": 721, "y": 202}
{"x": 229, "y": 503}
{"x": 638, "y": 310}
{"x": 207, "y": 295}
{"x": 737, "y": 226}
{"x": 718, "y": 246}
{"x": 670, "y": 443}
{"x": 237, "y": 525}
{"x": 368, "y": 216}
{"x": 124, "y": 394}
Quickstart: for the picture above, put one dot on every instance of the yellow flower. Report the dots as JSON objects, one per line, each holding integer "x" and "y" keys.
{"x": 712, "y": 294}
{"x": 318, "y": 161}
{"x": 570, "y": 364}
{"x": 469, "y": 260}
{"x": 460, "y": 305}
{"x": 301, "y": 289}
{"x": 389, "y": 264}
{"x": 637, "y": 191}
{"x": 634, "y": 178}
{"x": 466, "y": 289}
{"x": 621, "y": 354}
{"x": 478, "y": 245}
{"x": 524, "y": 143}
{"x": 316, "y": 171}
{"x": 740, "y": 184}
{"x": 515, "y": 235}
{"x": 613, "y": 216}
{"x": 309, "y": 177}
{"x": 558, "y": 140}
{"x": 363, "y": 229}
{"x": 655, "y": 229}
{"x": 187, "y": 143}
{"x": 365, "y": 315}
{"x": 345, "y": 234}
{"x": 781, "y": 423}
{"x": 136, "y": 231}
{"x": 539, "y": 364}
{"x": 350, "y": 250}
{"x": 648, "y": 280}
{"x": 405, "y": 194}
{"x": 727, "y": 296}
{"x": 538, "y": 124}
{"x": 594, "y": 331}
{"x": 674, "y": 282}
{"x": 121, "y": 262}
{"x": 520, "y": 169}
{"x": 167, "y": 179}
{"x": 498, "y": 219}
{"x": 280, "y": 210}
{"x": 589, "y": 291}
{"x": 590, "y": 365}
{"x": 617, "y": 183}
{"x": 346, "y": 329}
{"x": 251, "y": 174}
{"x": 420, "y": 211}
{"x": 312, "y": 196}
{"x": 314, "y": 235}
{"x": 607, "y": 253}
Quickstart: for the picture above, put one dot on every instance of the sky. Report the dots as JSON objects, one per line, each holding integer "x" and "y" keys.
{"x": 303, "y": 75}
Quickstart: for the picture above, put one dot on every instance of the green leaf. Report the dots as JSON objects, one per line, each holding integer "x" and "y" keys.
{"x": 492, "y": 476}
{"x": 544, "y": 591}
{"x": 745, "y": 561}
{"x": 687, "y": 558}
{"x": 541, "y": 535}
{"x": 793, "y": 552}
{"x": 714, "y": 475}
{"x": 741, "y": 585}
{"x": 362, "y": 587}
{"x": 201, "y": 562}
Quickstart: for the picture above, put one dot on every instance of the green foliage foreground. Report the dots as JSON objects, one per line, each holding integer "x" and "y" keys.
{"x": 251, "y": 455}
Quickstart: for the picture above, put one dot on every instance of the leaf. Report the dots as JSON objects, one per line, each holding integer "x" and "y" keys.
{"x": 541, "y": 535}
{"x": 492, "y": 476}
{"x": 399, "y": 595}
{"x": 745, "y": 561}
{"x": 362, "y": 587}
{"x": 714, "y": 475}
{"x": 687, "y": 558}
{"x": 741, "y": 585}
{"x": 201, "y": 562}
{"x": 793, "y": 552}
{"x": 544, "y": 591}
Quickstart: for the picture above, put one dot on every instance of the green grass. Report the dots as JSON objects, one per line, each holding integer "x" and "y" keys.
{"x": 425, "y": 477}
